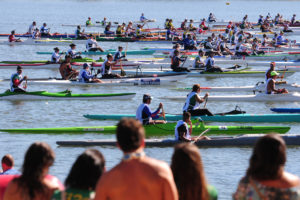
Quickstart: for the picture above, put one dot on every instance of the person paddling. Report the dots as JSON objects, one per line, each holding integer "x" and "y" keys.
{"x": 184, "y": 128}
{"x": 144, "y": 113}
{"x": 86, "y": 76}
{"x": 56, "y": 56}
{"x": 89, "y": 22}
{"x": 16, "y": 81}
{"x": 73, "y": 53}
{"x": 176, "y": 62}
{"x": 199, "y": 62}
{"x": 79, "y": 35}
{"x": 92, "y": 45}
{"x": 210, "y": 63}
{"x": 193, "y": 101}
{"x": 66, "y": 70}
{"x": 270, "y": 85}
{"x": 107, "y": 67}
{"x": 118, "y": 55}
{"x": 12, "y": 37}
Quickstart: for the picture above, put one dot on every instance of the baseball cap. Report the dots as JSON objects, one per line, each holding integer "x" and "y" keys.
{"x": 146, "y": 97}
{"x": 85, "y": 65}
{"x": 274, "y": 73}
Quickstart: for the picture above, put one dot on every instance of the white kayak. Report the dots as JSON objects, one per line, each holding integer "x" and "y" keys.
{"x": 30, "y": 41}
{"x": 151, "y": 81}
{"x": 291, "y": 97}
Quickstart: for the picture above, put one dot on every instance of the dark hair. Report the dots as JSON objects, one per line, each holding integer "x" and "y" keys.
{"x": 109, "y": 55}
{"x": 8, "y": 160}
{"x": 268, "y": 158}
{"x": 130, "y": 134}
{"x": 188, "y": 172}
{"x": 68, "y": 56}
{"x": 196, "y": 87}
{"x": 87, "y": 169}
{"x": 38, "y": 156}
{"x": 186, "y": 115}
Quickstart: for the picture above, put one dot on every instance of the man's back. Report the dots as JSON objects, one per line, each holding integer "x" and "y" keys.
{"x": 144, "y": 178}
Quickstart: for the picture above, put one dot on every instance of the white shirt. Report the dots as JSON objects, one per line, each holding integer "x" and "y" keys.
{"x": 55, "y": 58}
{"x": 31, "y": 29}
{"x": 91, "y": 44}
{"x": 179, "y": 123}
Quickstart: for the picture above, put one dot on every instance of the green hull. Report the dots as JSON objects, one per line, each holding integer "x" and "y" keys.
{"x": 159, "y": 130}
{"x": 133, "y": 52}
{"x": 273, "y": 118}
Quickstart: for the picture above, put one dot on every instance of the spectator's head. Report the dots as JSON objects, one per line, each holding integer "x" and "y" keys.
{"x": 268, "y": 158}
{"x": 130, "y": 135}
{"x": 7, "y": 162}
{"x": 87, "y": 169}
{"x": 188, "y": 172}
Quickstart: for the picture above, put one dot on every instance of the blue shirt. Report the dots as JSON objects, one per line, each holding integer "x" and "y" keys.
{"x": 11, "y": 171}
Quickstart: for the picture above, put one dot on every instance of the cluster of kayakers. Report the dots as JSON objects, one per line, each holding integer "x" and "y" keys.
{"x": 138, "y": 176}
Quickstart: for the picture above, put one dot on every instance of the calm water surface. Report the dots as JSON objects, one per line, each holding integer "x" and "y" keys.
{"x": 224, "y": 166}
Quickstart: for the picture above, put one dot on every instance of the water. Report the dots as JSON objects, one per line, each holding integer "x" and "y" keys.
{"x": 224, "y": 167}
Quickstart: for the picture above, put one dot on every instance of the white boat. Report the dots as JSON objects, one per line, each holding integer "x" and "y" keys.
{"x": 31, "y": 41}
{"x": 115, "y": 82}
{"x": 261, "y": 97}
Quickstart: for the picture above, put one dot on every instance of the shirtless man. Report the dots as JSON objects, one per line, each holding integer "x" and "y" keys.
{"x": 66, "y": 70}
{"x": 137, "y": 176}
{"x": 270, "y": 85}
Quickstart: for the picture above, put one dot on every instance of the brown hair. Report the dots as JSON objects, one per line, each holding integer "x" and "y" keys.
{"x": 8, "y": 160}
{"x": 130, "y": 134}
{"x": 196, "y": 87}
{"x": 268, "y": 158}
{"x": 186, "y": 115}
{"x": 38, "y": 156}
{"x": 188, "y": 172}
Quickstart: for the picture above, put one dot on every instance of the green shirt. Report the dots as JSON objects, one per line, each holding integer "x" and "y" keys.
{"x": 73, "y": 194}
{"x": 212, "y": 192}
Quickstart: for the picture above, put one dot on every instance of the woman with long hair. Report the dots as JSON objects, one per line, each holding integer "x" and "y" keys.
{"x": 33, "y": 184}
{"x": 188, "y": 172}
{"x": 83, "y": 177}
{"x": 265, "y": 177}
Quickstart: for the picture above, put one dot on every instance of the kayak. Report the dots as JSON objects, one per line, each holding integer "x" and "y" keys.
{"x": 37, "y": 42}
{"x": 164, "y": 80}
{"x": 258, "y": 87}
{"x": 216, "y": 118}
{"x": 46, "y": 61}
{"x": 65, "y": 95}
{"x": 132, "y": 52}
{"x": 159, "y": 129}
{"x": 235, "y": 73}
{"x": 57, "y": 35}
{"x": 286, "y": 110}
{"x": 215, "y": 141}
{"x": 290, "y": 97}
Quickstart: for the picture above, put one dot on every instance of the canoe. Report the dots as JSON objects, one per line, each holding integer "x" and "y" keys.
{"x": 151, "y": 81}
{"x": 273, "y": 118}
{"x": 258, "y": 87}
{"x": 132, "y": 52}
{"x": 65, "y": 95}
{"x": 46, "y": 61}
{"x": 30, "y": 41}
{"x": 235, "y": 74}
{"x": 261, "y": 97}
{"x": 216, "y": 141}
{"x": 59, "y": 35}
{"x": 286, "y": 110}
{"x": 158, "y": 129}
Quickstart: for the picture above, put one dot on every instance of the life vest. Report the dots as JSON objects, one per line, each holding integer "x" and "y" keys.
{"x": 191, "y": 103}
{"x": 139, "y": 113}
{"x": 14, "y": 77}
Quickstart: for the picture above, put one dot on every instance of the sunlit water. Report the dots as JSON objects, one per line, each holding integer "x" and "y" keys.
{"x": 224, "y": 167}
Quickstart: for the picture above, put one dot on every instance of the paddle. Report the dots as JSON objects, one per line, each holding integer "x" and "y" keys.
{"x": 123, "y": 73}
{"x": 197, "y": 138}
{"x": 283, "y": 73}
{"x": 205, "y": 102}
{"x": 163, "y": 113}
{"x": 25, "y": 86}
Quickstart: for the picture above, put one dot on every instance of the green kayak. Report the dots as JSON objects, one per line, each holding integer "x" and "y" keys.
{"x": 132, "y": 52}
{"x": 65, "y": 95}
{"x": 160, "y": 129}
{"x": 46, "y": 61}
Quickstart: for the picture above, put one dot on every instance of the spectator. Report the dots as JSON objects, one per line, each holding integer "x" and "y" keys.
{"x": 7, "y": 163}
{"x": 189, "y": 176}
{"x": 265, "y": 177}
{"x": 136, "y": 176}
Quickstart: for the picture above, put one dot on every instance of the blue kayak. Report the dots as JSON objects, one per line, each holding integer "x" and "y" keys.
{"x": 286, "y": 110}
{"x": 216, "y": 118}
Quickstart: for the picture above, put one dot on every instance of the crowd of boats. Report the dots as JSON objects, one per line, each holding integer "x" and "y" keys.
{"x": 187, "y": 51}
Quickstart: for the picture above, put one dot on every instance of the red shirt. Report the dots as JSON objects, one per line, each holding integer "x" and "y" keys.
{"x": 11, "y": 38}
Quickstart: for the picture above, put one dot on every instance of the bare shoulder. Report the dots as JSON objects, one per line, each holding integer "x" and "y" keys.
{"x": 291, "y": 179}
{"x": 160, "y": 166}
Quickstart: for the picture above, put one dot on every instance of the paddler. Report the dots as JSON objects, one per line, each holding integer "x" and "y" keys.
{"x": 107, "y": 67}
{"x": 66, "y": 70}
{"x": 118, "y": 55}
{"x": 12, "y": 38}
{"x": 73, "y": 53}
{"x": 129, "y": 29}
{"x": 260, "y": 20}
{"x": 32, "y": 27}
{"x": 36, "y": 34}
{"x": 281, "y": 40}
{"x": 191, "y": 26}
{"x": 80, "y": 34}
{"x": 183, "y": 24}
{"x": 16, "y": 81}
{"x": 239, "y": 49}
{"x": 176, "y": 62}
{"x": 293, "y": 20}
{"x": 204, "y": 27}
{"x": 255, "y": 48}
{"x": 175, "y": 47}
{"x": 210, "y": 63}
{"x": 144, "y": 113}
{"x": 56, "y": 56}
{"x": 45, "y": 32}
{"x": 270, "y": 85}
{"x": 211, "y": 18}
{"x": 188, "y": 43}
{"x": 119, "y": 31}
{"x": 193, "y": 101}
{"x": 268, "y": 72}
{"x": 138, "y": 31}
{"x": 183, "y": 132}
{"x": 107, "y": 30}
{"x": 86, "y": 76}
{"x": 92, "y": 45}
{"x": 89, "y": 22}
{"x": 103, "y": 22}
{"x": 199, "y": 62}
{"x": 143, "y": 18}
